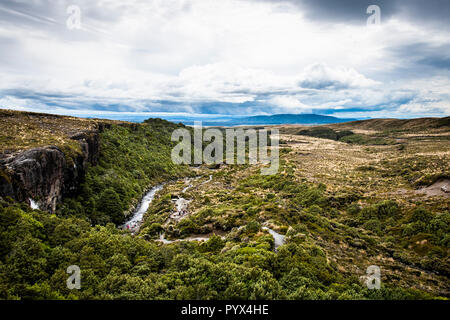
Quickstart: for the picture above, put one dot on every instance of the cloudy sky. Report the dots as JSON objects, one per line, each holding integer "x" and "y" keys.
{"x": 238, "y": 57}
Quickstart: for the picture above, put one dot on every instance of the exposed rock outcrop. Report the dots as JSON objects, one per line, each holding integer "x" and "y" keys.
{"x": 46, "y": 174}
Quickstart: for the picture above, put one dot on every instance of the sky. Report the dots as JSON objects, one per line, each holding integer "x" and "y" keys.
{"x": 227, "y": 57}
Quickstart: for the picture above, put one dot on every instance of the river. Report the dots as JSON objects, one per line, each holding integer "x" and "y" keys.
{"x": 137, "y": 216}
{"x": 181, "y": 210}
{"x": 278, "y": 238}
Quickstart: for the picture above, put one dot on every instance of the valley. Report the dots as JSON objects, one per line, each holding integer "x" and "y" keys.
{"x": 346, "y": 196}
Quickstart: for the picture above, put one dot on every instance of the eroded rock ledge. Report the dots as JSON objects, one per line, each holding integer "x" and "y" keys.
{"x": 45, "y": 174}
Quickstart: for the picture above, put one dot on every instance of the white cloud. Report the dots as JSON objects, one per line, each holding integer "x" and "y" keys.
{"x": 320, "y": 76}
{"x": 265, "y": 56}
{"x": 289, "y": 104}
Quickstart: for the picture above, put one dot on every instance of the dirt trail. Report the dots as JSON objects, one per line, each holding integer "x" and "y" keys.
{"x": 439, "y": 188}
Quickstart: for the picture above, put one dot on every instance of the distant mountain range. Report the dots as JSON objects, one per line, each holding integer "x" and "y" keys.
{"x": 308, "y": 119}
{"x": 293, "y": 119}
{"x": 224, "y": 120}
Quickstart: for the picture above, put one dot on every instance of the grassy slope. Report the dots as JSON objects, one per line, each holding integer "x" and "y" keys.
{"x": 24, "y": 130}
{"x": 360, "y": 204}
{"x": 419, "y": 124}
{"x": 337, "y": 203}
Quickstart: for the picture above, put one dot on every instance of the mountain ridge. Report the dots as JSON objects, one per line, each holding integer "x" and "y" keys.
{"x": 290, "y": 118}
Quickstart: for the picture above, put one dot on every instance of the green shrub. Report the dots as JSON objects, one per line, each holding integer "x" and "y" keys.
{"x": 421, "y": 215}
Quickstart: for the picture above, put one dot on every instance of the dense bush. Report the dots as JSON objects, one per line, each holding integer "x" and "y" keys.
{"x": 36, "y": 249}
{"x": 132, "y": 158}
{"x": 326, "y": 232}
{"x": 325, "y": 133}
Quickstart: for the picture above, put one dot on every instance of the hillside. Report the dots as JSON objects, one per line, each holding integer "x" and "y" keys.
{"x": 24, "y": 130}
{"x": 309, "y": 231}
{"x": 45, "y": 158}
{"x": 419, "y": 124}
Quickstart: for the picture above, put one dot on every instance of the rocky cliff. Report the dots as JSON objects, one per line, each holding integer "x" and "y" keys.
{"x": 43, "y": 175}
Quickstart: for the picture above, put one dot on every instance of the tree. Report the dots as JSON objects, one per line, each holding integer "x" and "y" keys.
{"x": 109, "y": 203}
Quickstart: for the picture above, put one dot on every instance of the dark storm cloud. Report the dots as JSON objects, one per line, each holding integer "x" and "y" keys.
{"x": 323, "y": 84}
{"x": 435, "y": 12}
{"x": 30, "y": 94}
{"x": 429, "y": 11}
{"x": 422, "y": 54}
{"x": 344, "y": 11}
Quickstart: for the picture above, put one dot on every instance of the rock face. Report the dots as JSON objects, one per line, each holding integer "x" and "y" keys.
{"x": 45, "y": 174}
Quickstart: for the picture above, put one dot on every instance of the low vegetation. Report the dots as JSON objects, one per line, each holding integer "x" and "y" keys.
{"x": 341, "y": 207}
{"x": 132, "y": 159}
{"x": 344, "y": 136}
